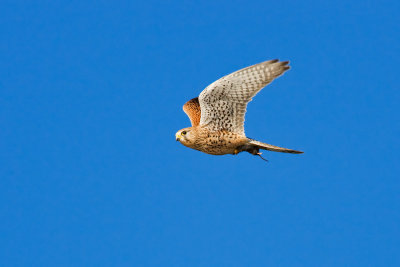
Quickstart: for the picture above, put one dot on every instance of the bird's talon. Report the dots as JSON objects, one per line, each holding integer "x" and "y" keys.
{"x": 259, "y": 154}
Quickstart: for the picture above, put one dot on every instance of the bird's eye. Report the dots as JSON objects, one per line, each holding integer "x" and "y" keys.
{"x": 183, "y": 132}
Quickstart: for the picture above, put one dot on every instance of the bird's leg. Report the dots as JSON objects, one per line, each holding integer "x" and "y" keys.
{"x": 255, "y": 151}
{"x": 236, "y": 151}
{"x": 259, "y": 154}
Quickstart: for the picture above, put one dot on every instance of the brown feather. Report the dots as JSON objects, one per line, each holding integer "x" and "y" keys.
{"x": 192, "y": 109}
{"x": 274, "y": 148}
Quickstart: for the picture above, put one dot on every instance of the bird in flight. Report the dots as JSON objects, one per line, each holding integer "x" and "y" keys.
{"x": 217, "y": 115}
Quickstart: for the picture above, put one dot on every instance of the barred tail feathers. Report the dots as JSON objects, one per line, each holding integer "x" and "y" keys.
{"x": 274, "y": 148}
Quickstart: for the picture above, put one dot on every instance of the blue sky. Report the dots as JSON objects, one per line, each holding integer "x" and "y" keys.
{"x": 91, "y": 95}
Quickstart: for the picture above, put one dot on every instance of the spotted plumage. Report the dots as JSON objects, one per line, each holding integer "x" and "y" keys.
{"x": 217, "y": 115}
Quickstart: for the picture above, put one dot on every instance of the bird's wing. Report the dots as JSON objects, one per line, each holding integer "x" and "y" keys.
{"x": 223, "y": 103}
{"x": 192, "y": 109}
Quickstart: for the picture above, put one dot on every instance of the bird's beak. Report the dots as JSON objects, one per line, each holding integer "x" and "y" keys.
{"x": 177, "y": 137}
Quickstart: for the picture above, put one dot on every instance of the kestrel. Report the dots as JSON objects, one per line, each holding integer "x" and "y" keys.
{"x": 217, "y": 115}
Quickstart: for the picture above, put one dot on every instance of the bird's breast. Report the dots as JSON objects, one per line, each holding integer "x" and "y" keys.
{"x": 219, "y": 142}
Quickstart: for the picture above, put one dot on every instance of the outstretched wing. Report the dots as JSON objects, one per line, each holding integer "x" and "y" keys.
{"x": 192, "y": 109}
{"x": 223, "y": 103}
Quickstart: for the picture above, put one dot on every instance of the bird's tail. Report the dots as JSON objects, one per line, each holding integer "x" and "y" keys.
{"x": 273, "y": 148}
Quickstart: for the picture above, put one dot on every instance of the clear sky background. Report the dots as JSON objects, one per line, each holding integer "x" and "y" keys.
{"x": 91, "y": 95}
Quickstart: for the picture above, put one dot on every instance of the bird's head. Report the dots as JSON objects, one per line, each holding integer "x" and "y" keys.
{"x": 186, "y": 136}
